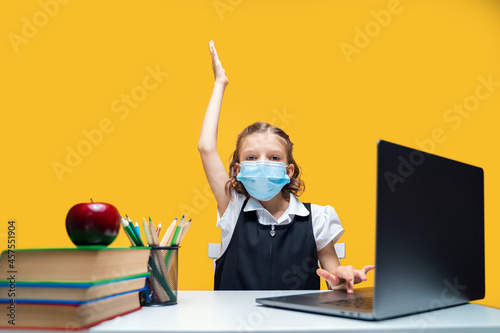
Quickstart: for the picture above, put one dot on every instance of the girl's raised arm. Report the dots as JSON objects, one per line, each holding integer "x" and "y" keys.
{"x": 207, "y": 145}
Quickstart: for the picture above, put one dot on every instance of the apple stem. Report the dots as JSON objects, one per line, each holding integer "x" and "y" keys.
{"x": 91, "y": 200}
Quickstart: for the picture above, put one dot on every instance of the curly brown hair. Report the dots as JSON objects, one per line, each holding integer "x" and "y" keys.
{"x": 296, "y": 185}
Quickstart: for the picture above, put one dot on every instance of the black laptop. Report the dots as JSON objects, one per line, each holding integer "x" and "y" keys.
{"x": 429, "y": 240}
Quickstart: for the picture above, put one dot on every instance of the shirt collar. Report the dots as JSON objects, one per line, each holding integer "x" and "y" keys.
{"x": 295, "y": 206}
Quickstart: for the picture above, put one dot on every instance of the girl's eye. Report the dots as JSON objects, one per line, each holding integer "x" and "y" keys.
{"x": 275, "y": 158}
{"x": 250, "y": 158}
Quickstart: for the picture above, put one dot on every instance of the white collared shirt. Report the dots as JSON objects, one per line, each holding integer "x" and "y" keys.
{"x": 325, "y": 221}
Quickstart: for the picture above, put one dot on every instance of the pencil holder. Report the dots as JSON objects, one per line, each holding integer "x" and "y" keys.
{"x": 161, "y": 285}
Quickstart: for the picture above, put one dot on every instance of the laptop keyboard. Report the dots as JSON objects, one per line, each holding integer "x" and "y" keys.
{"x": 365, "y": 303}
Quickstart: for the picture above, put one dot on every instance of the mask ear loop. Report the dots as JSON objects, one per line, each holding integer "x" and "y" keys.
{"x": 286, "y": 166}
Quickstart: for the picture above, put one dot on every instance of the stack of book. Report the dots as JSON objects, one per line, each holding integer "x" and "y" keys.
{"x": 72, "y": 288}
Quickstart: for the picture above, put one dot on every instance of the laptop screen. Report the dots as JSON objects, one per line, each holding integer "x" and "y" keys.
{"x": 430, "y": 231}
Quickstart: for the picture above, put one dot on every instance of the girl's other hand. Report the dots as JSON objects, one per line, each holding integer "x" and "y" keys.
{"x": 347, "y": 275}
{"x": 219, "y": 72}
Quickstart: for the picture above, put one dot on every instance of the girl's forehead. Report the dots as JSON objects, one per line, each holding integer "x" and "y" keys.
{"x": 266, "y": 140}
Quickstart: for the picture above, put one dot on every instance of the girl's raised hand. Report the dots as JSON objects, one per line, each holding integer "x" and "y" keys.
{"x": 347, "y": 275}
{"x": 219, "y": 72}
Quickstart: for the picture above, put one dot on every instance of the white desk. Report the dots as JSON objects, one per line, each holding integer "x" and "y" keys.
{"x": 232, "y": 311}
{"x": 229, "y": 311}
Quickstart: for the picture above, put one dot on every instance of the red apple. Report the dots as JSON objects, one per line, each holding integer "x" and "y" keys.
{"x": 94, "y": 223}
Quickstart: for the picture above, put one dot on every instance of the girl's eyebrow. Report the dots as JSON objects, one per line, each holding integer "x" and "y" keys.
{"x": 272, "y": 152}
{"x": 276, "y": 152}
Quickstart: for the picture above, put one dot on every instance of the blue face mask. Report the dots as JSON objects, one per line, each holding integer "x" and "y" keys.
{"x": 263, "y": 179}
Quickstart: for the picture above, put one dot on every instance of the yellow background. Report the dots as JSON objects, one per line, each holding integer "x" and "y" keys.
{"x": 285, "y": 65}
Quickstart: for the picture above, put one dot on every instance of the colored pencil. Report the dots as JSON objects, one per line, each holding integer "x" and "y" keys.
{"x": 152, "y": 231}
{"x": 168, "y": 233}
